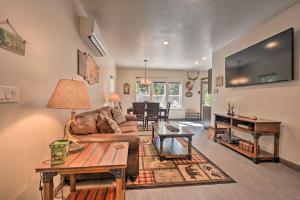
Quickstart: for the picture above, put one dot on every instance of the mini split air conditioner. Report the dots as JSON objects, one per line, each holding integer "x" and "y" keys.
{"x": 90, "y": 33}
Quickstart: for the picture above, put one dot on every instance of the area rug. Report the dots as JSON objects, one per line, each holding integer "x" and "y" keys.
{"x": 174, "y": 172}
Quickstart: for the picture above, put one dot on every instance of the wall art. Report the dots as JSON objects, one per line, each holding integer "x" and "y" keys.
{"x": 88, "y": 68}
{"x": 219, "y": 81}
{"x": 11, "y": 41}
{"x": 126, "y": 88}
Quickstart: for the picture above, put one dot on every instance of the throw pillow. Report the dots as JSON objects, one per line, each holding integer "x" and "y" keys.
{"x": 85, "y": 124}
{"x": 106, "y": 111}
{"x": 118, "y": 116}
{"x": 99, "y": 120}
{"x": 108, "y": 125}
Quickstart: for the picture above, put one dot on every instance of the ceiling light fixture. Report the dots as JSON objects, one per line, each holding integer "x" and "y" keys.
{"x": 204, "y": 58}
{"x": 145, "y": 82}
{"x": 165, "y": 42}
{"x": 196, "y": 62}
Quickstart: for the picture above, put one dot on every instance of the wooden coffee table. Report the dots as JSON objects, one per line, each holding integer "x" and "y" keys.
{"x": 95, "y": 158}
{"x": 166, "y": 145}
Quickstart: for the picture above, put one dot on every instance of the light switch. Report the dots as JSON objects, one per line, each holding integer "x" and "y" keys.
{"x": 2, "y": 93}
{"x": 9, "y": 94}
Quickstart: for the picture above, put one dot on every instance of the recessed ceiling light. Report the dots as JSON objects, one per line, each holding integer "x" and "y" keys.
{"x": 165, "y": 42}
{"x": 204, "y": 58}
{"x": 196, "y": 62}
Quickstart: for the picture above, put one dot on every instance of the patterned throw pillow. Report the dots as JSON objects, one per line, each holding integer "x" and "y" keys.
{"x": 106, "y": 111}
{"x": 118, "y": 116}
{"x": 99, "y": 121}
{"x": 85, "y": 124}
{"x": 107, "y": 125}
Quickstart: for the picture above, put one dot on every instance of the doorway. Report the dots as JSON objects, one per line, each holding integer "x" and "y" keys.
{"x": 205, "y": 102}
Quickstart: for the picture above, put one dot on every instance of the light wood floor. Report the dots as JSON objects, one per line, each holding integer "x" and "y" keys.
{"x": 265, "y": 181}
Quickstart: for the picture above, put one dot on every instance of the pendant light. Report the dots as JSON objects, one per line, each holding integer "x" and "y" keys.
{"x": 145, "y": 82}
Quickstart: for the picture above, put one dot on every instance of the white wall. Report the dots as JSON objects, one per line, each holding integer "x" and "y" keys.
{"x": 27, "y": 128}
{"x": 128, "y": 75}
{"x": 279, "y": 101}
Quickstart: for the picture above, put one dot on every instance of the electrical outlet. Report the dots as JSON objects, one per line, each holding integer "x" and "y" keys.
{"x": 9, "y": 94}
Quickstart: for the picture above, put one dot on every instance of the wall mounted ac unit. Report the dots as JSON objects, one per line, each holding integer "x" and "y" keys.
{"x": 90, "y": 33}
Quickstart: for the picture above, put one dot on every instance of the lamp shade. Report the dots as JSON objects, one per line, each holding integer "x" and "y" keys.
{"x": 69, "y": 94}
{"x": 114, "y": 98}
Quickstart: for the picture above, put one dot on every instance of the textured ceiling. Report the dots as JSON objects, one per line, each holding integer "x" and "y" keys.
{"x": 134, "y": 30}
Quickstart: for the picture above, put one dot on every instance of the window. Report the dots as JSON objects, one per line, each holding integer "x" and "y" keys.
{"x": 159, "y": 93}
{"x": 174, "y": 96}
{"x": 207, "y": 99}
{"x": 142, "y": 93}
{"x": 111, "y": 84}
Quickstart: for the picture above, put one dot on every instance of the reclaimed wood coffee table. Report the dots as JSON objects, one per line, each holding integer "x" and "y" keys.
{"x": 95, "y": 158}
{"x": 166, "y": 145}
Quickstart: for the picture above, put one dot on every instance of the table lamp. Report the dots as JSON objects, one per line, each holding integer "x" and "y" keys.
{"x": 115, "y": 98}
{"x": 72, "y": 95}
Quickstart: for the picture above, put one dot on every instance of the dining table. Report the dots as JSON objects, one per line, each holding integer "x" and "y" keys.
{"x": 161, "y": 110}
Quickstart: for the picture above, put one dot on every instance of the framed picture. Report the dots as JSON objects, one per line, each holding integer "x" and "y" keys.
{"x": 219, "y": 81}
{"x": 88, "y": 68}
{"x": 126, "y": 88}
{"x": 81, "y": 62}
{"x": 12, "y": 42}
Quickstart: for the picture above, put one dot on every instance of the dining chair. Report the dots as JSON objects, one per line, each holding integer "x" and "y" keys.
{"x": 152, "y": 112}
{"x": 139, "y": 111}
{"x": 165, "y": 115}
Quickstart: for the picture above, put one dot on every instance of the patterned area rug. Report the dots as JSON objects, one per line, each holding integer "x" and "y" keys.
{"x": 174, "y": 172}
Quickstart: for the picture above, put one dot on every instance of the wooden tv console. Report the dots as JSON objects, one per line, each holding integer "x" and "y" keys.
{"x": 256, "y": 128}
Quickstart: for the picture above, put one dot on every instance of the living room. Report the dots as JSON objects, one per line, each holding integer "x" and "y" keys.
{"x": 180, "y": 41}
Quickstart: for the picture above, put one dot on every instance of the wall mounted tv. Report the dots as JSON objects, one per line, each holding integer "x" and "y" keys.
{"x": 268, "y": 61}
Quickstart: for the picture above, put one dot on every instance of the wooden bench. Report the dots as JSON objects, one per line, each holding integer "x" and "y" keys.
{"x": 192, "y": 116}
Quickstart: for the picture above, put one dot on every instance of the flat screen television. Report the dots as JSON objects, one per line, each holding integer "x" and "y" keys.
{"x": 268, "y": 61}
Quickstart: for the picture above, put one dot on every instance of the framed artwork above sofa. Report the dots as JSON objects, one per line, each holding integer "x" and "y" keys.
{"x": 87, "y": 67}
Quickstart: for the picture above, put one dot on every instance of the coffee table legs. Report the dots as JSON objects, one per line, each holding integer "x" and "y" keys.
{"x": 189, "y": 156}
{"x": 161, "y": 148}
{"x": 120, "y": 183}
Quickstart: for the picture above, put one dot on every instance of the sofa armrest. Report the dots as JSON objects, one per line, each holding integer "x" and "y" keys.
{"x": 130, "y": 118}
{"x": 131, "y": 137}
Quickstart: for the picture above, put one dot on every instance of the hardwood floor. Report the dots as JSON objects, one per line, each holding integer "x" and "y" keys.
{"x": 265, "y": 181}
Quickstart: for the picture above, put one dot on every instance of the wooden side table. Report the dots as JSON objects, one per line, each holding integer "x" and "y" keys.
{"x": 95, "y": 158}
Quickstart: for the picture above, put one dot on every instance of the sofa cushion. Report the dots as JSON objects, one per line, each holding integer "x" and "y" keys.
{"x": 130, "y": 117}
{"x": 108, "y": 125}
{"x": 85, "y": 123}
{"x": 106, "y": 111}
{"x": 128, "y": 129}
{"x": 128, "y": 123}
{"x": 118, "y": 116}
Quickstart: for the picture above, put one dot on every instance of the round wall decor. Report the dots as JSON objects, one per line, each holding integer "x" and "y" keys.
{"x": 189, "y": 94}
